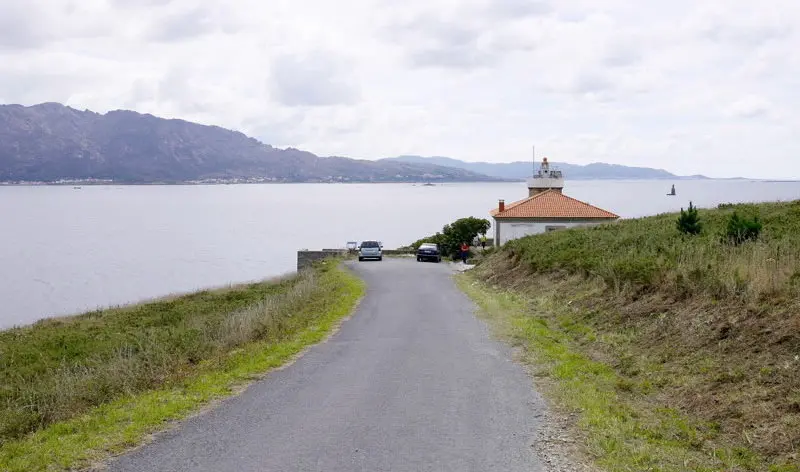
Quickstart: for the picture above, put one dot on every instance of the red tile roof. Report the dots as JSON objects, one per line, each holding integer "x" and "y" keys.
{"x": 552, "y": 204}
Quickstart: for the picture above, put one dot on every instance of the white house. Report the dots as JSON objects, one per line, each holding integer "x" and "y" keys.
{"x": 545, "y": 209}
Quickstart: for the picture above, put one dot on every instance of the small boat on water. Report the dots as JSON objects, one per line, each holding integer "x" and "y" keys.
{"x": 428, "y": 184}
{"x": 672, "y": 192}
{"x": 76, "y": 188}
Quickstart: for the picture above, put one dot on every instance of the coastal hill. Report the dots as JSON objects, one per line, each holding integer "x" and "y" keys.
{"x": 679, "y": 350}
{"x": 521, "y": 170}
{"x": 51, "y": 142}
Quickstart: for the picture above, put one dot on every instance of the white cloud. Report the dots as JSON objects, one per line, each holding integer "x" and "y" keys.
{"x": 319, "y": 78}
{"x": 25, "y": 25}
{"x": 690, "y": 86}
{"x": 749, "y": 107}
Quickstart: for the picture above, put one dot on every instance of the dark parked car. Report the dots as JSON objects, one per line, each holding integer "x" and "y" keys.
{"x": 429, "y": 252}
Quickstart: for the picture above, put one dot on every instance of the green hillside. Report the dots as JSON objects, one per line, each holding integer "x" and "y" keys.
{"x": 679, "y": 352}
{"x": 649, "y": 254}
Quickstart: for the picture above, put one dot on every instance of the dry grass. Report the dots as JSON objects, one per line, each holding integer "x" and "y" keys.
{"x": 289, "y": 315}
{"x": 57, "y": 369}
{"x": 690, "y": 325}
{"x": 649, "y": 254}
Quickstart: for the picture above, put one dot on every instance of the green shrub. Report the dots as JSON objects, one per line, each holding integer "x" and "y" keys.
{"x": 641, "y": 271}
{"x": 453, "y": 234}
{"x": 689, "y": 221}
{"x": 649, "y": 254}
{"x": 741, "y": 229}
{"x": 430, "y": 239}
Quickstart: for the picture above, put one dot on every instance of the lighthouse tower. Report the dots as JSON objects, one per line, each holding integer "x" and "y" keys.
{"x": 545, "y": 179}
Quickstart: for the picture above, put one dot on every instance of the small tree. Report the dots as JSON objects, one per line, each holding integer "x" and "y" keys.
{"x": 689, "y": 221}
{"x": 453, "y": 234}
{"x": 741, "y": 229}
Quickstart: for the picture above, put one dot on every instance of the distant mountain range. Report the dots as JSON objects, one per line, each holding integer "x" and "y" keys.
{"x": 51, "y": 143}
{"x": 521, "y": 170}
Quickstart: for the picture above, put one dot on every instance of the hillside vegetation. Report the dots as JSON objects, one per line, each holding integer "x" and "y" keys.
{"x": 681, "y": 351}
{"x": 74, "y": 389}
{"x": 454, "y": 234}
{"x": 49, "y": 142}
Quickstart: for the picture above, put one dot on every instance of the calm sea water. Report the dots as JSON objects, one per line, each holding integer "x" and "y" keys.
{"x": 65, "y": 251}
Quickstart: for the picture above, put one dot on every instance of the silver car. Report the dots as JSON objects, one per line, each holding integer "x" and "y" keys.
{"x": 370, "y": 250}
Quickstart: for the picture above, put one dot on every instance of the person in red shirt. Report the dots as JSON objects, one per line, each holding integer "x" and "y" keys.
{"x": 464, "y": 252}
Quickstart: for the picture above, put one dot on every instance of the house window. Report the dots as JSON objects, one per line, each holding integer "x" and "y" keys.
{"x": 554, "y": 228}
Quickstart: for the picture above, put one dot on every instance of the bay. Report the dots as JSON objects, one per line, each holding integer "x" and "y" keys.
{"x": 65, "y": 250}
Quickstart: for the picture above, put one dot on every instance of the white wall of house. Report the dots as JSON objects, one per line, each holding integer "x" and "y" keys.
{"x": 506, "y": 231}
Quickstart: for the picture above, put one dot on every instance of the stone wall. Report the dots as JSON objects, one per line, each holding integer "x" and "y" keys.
{"x": 306, "y": 258}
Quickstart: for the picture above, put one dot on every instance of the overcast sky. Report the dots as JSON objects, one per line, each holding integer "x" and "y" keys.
{"x": 693, "y": 86}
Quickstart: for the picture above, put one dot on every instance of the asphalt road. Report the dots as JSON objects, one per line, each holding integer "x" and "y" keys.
{"x": 411, "y": 383}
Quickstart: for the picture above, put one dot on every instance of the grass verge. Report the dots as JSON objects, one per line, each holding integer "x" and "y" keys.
{"x": 629, "y": 422}
{"x": 113, "y": 377}
{"x": 689, "y": 346}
